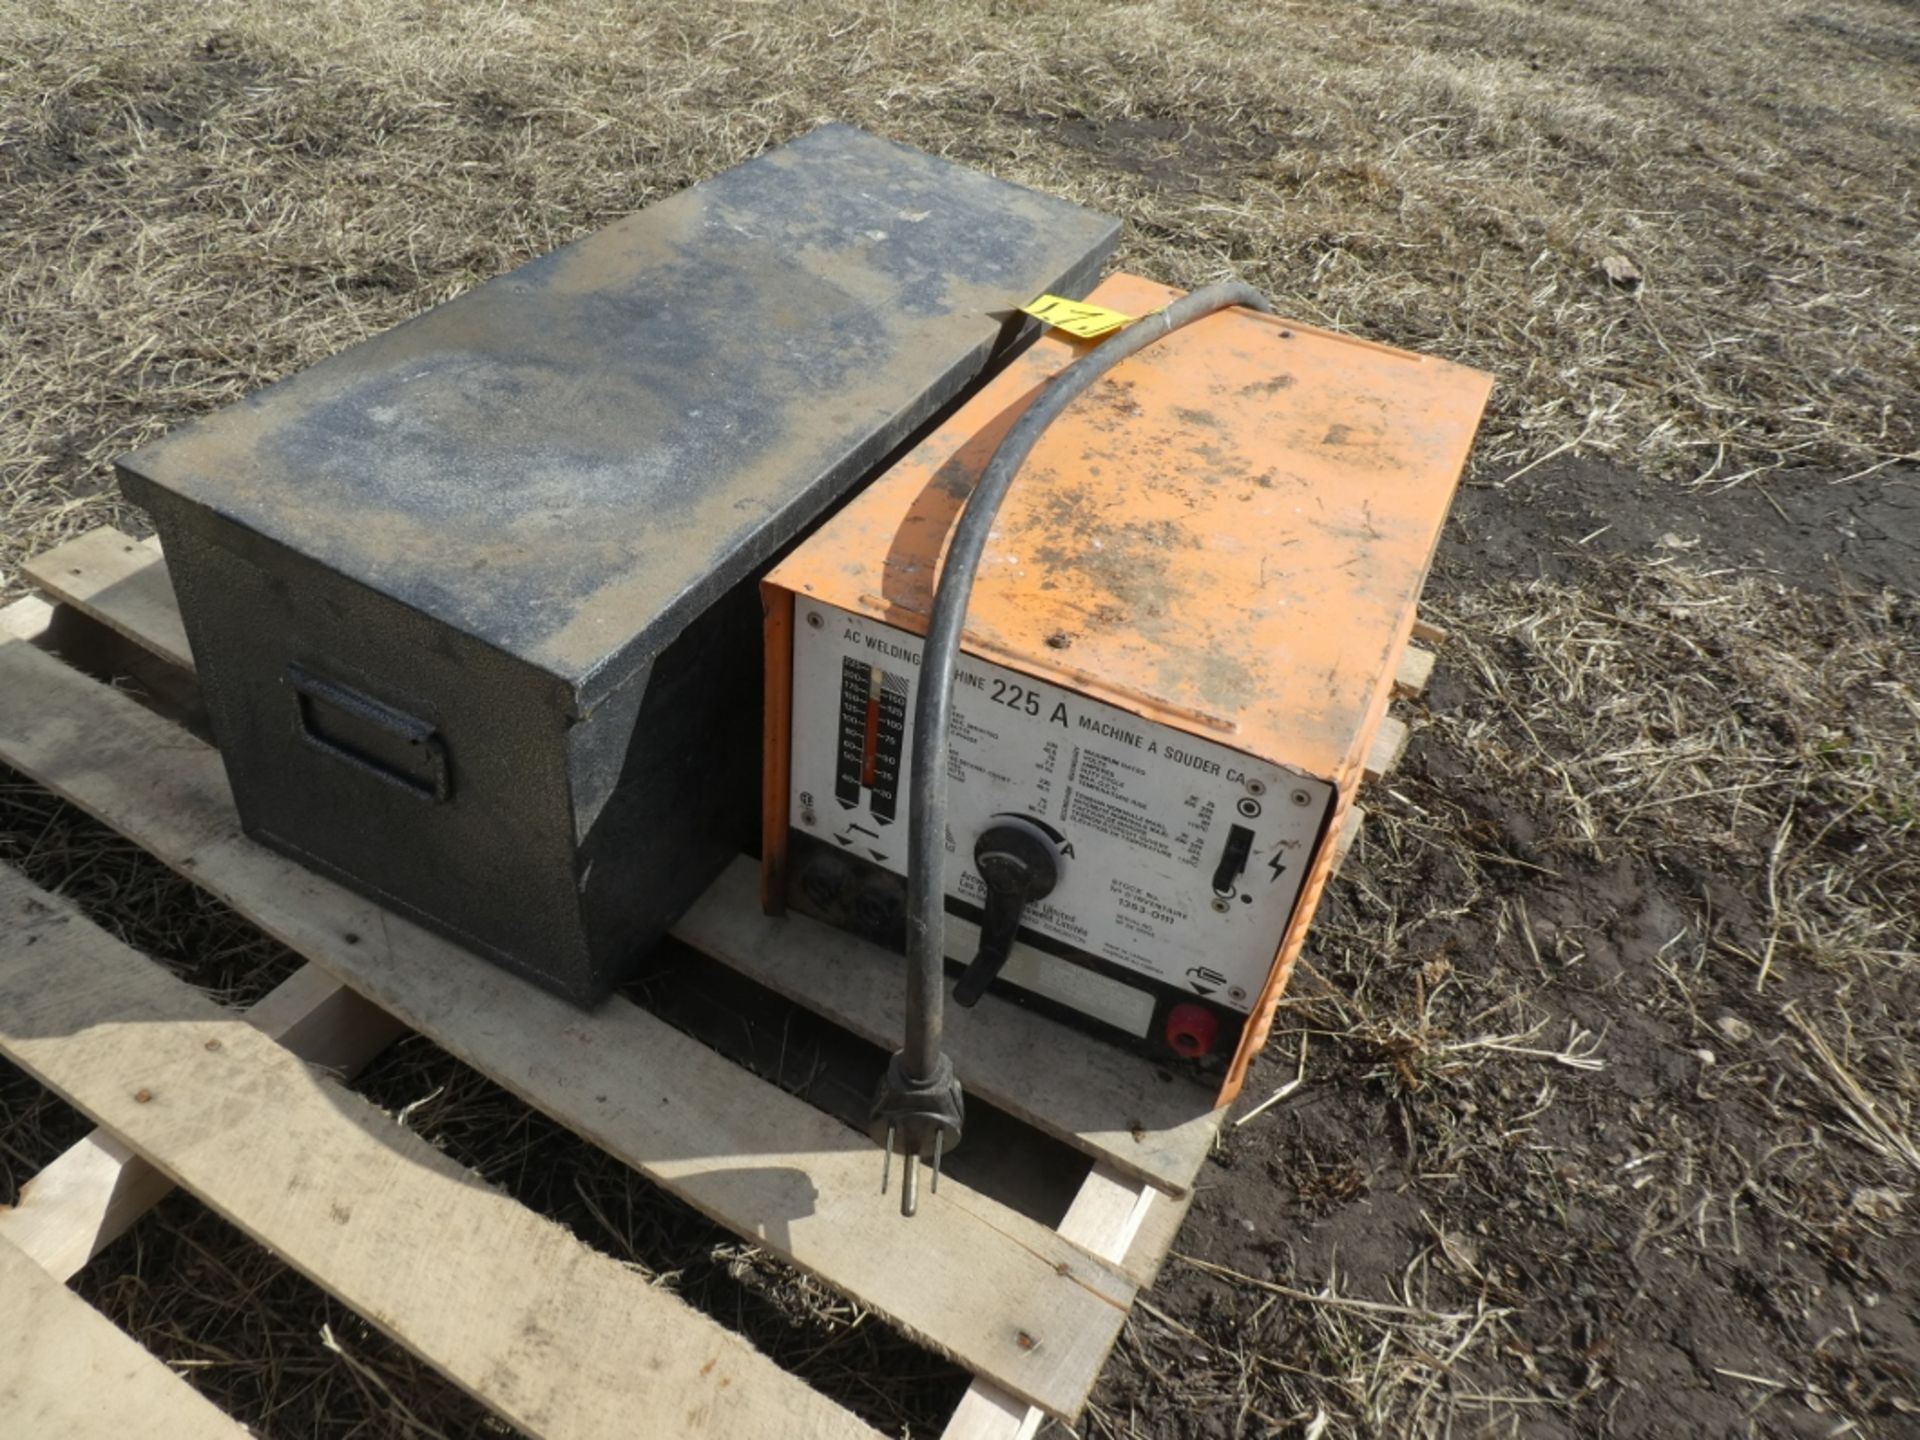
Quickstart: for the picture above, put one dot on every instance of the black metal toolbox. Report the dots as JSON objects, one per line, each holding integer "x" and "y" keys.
{"x": 473, "y": 602}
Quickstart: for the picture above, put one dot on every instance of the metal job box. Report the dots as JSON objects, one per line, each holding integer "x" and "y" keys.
{"x": 1180, "y": 645}
{"x": 473, "y": 602}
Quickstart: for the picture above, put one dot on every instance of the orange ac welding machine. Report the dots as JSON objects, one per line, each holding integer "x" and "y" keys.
{"x": 1180, "y": 638}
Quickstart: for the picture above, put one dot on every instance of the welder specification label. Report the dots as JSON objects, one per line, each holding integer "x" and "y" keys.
{"x": 1182, "y": 857}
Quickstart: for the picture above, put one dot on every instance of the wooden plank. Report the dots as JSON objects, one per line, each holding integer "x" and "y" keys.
{"x": 1350, "y": 824}
{"x": 80, "y": 1203}
{"x": 1428, "y": 634}
{"x": 968, "y": 1277}
{"x": 1110, "y": 1216}
{"x": 1389, "y": 744}
{"x": 1153, "y": 1241}
{"x": 1415, "y": 672}
{"x": 68, "y": 1371}
{"x": 122, "y": 583}
{"x": 1108, "y": 1211}
{"x": 324, "y": 1023}
{"x": 557, "y": 1338}
{"x": 1095, "y": 1097}
{"x": 93, "y": 1193}
{"x": 26, "y": 618}
{"x": 985, "y": 1413}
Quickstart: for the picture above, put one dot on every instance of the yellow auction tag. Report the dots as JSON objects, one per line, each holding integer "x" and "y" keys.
{"x": 1076, "y": 317}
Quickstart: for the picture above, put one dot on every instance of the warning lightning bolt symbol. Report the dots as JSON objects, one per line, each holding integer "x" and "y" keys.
{"x": 1276, "y": 864}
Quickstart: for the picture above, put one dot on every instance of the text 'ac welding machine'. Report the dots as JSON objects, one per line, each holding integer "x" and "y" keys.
{"x": 479, "y": 606}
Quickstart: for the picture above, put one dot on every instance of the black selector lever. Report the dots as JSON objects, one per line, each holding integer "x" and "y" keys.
{"x": 1233, "y": 859}
{"x": 1020, "y": 863}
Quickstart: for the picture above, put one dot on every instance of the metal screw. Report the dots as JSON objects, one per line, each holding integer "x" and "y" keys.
{"x": 1256, "y": 787}
{"x": 1221, "y": 904}
{"x": 807, "y": 817}
{"x": 1236, "y": 993}
{"x": 814, "y": 620}
{"x": 1302, "y": 798}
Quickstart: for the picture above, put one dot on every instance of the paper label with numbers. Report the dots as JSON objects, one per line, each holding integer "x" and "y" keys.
{"x": 1077, "y": 317}
{"x": 1182, "y": 857}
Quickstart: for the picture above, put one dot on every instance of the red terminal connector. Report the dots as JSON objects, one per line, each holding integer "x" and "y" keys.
{"x": 1192, "y": 1029}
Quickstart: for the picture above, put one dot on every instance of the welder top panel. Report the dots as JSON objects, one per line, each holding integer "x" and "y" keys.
{"x": 1229, "y": 532}
{"x": 570, "y": 461}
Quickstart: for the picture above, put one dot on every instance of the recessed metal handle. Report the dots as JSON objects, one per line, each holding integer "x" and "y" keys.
{"x": 389, "y": 744}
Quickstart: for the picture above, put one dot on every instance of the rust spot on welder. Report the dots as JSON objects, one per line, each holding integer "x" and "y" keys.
{"x": 1272, "y": 385}
{"x": 1116, "y": 398}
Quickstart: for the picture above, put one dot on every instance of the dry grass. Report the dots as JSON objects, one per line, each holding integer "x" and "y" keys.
{"x": 1717, "y": 716}
{"x": 201, "y": 198}
{"x": 1666, "y": 810}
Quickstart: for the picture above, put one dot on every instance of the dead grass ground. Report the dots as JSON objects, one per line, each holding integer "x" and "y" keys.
{"x": 1611, "y": 1074}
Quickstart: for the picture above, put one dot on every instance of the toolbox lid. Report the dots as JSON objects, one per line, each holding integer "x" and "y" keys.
{"x": 570, "y": 462}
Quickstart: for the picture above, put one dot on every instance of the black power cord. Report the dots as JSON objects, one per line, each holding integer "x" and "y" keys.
{"x": 919, "y": 1103}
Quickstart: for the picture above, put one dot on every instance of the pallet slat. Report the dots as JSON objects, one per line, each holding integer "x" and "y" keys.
{"x": 1389, "y": 744}
{"x": 557, "y": 1338}
{"x": 93, "y": 1192}
{"x": 1350, "y": 824}
{"x": 1415, "y": 672}
{"x": 122, "y": 583}
{"x": 67, "y": 1370}
{"x": 81, "y": 1202}
{"x": 1115, "y": 1216}
{"x": 968, "y": 1277}
{"x": 1107, "y": 1103}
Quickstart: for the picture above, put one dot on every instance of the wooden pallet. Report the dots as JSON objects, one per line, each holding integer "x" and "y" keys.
{"x": 249, "y": 1114}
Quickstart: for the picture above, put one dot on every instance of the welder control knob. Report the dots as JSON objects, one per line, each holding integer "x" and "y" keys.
{"x": 1020, "y": 863}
